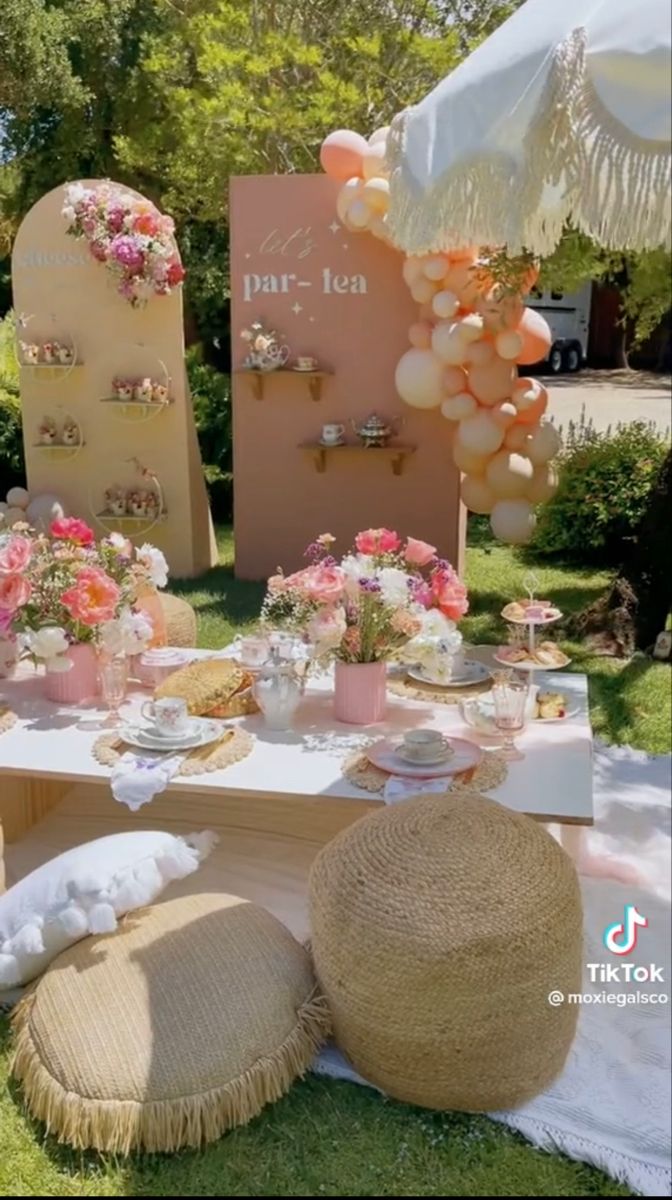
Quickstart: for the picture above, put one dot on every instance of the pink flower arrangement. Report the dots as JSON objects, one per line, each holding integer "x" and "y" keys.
{"x": 129, "y": 235}
{"x": 72, "y": 529}
{"x": 369, "y": 605}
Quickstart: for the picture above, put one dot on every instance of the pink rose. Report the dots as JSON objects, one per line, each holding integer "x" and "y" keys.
{"x": 15, "y": 556}
{"x": 93, "y": 598}
{"x": 71, "y": 529}
{"x": 449, "y": 593}
{"x": 14, "y": 592}
{"x": 322, "y": 585}
{"x": 418, "y": 553}
{"x": 377, "y": 541}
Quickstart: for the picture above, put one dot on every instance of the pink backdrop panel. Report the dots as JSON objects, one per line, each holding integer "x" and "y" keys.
{"x": 339, "y": 297}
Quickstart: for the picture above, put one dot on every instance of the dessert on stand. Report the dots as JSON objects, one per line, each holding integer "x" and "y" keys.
{"x": 529, "y": 649}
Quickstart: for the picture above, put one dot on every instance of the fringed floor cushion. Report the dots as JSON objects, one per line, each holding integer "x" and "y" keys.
{"x": 180, "y": 619}
{"x": 185, "y": 1023}
{"x": 439, "y": 927}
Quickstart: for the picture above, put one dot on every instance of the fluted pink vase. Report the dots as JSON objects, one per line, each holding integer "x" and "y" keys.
{"x": 79, "y": 683}
{"x": 360, "y": 692}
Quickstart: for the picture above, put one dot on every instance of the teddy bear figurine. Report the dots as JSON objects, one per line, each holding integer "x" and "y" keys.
{"x": 116, "y": 501}
{"x": 143, "y": 391}
{"x": 122, "y": 389}
{"x": 30, "y": 353}
{"x": 71, "y": 434}
{"x": 66, "y": 355}
{"x": 50, "y": 352}
{"x": 138, "y": 504}
{"x": 159, "y": 393}
{"x": 47, "y": 432}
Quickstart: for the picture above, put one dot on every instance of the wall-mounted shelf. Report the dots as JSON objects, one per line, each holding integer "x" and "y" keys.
{"x": 129, "y": 524}
{"x": 313, "y": 378}
{"x": 58, "y": 450}
{"x": 395, "y": 455}
{"x": 135, "y": 410}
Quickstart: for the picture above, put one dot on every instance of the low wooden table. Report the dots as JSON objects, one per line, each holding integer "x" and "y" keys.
{"x": 275, "y": 809}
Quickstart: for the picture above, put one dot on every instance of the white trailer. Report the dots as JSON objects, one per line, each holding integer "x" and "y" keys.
{"x": 568, "y": 315}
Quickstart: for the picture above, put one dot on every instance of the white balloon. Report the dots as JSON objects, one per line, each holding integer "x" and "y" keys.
{"x": 447, "y": 343}
{"x": 359, "y": 213}
{"x": 467, "y": 461}
{"x": 477, "y": 494}
{"x": 17, "y": 497}
{"x": 44, "y": 509}
{"x": 508, "y": 344}
{"x": 471, "y": 327}
{"x": 379, "y": 135}
{"x": 459, "y": 407}
{"x": 419, "y": 379}
{"x": 509, "y": 474}
{"x": 376, "y": 192}
{"x": 480, "y": 434}
{"x": 349, "y": 192}
{"x": 435, "y": 267}
{"x": 513, "y": 521}
{"x": 544, "y": 443}
{"x": 445, "y": 304}
{"x": 373, "y": 162}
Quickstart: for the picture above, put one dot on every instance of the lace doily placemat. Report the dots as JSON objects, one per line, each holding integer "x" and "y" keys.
{"x": 412, "y": 689}
{"x": 7, "y": 718}
{"x": 233, "y": 746}
{"x": 490, "y": 773}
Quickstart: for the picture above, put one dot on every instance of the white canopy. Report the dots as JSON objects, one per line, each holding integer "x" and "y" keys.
{"x": 563, "y": 113}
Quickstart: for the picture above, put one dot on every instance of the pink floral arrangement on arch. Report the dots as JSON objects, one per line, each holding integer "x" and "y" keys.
{"x": 129, "y": 235}
{"x": 64, "y": 588}
{"x": 367, "y": 607}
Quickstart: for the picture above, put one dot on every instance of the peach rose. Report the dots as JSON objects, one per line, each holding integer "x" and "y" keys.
{"x": 322, "y": 585}
{"x": 418, "y": 553}
{"x": 15, "y": 556}
{"x": 14, "y": 592}
{"x": 377, "y": 541}
{"x": 449, "y": 593}
{"x": 93, "y": 597}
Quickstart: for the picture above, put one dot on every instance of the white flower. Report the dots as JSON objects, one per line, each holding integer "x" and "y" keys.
{"x": 356, "y": 567}
{"x": 155, "y": 564}
{"x": 436, "y": 625}
{"x": 69, "y": 213}
{"x": 130, "y": 633}
{"x": 59, "y": 665}
{"x": 48, "y": 642}
{"x": 120, "y": 543}
{"x": 75, "y": 192}
{"x": 394, "y": 586}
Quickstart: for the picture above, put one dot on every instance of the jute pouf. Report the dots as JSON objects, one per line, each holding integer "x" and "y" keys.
{"x": 185, "y": 1023}
{"x": 180, "y": 619}
{"x": 439, "y": 927}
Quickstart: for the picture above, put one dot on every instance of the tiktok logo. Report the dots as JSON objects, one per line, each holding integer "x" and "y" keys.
{"x": 621, "y": 937}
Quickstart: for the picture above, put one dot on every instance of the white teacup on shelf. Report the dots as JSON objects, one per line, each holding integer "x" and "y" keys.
{"x": 332, "y": 433}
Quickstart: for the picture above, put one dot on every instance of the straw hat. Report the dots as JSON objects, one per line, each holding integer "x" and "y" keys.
{"x": 439, "y": 927}
{"x": 186, "y": 1022}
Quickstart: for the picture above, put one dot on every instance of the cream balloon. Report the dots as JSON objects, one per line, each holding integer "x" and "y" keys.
{"x": 544, "y": 443}
{"x": 412, "y": 270}
{"x": 492, "y": 382}
{"x": 513, "y": 521}
{"x": 470, "y": 328}
{"x": 435, "y": 267}
{"x": 445, "y": 305}
{"x": 503, "y": 413}
{"x": 420, "y": 335}
{"x": 517, "y": 437}
{"x": 379, "y": 135}
{"x": 13, "y": 515}
{"x": 480, "y": 434}
{"x": 419, "y": 379}
{"x": 379, "y": 228}
{"x": 376, "y": 192}
{"x": 476, "y": 494}
{"x": 342, "y": 153}
{"x": 458, "y": 408}
{"x": 373, "y": 161}
{"x": 544, "y": 484}
{"x": 466, "y": 460}
{"x": 447, "y": 343}
{"x": 508, "y": 344}
{"x": 480, "y": 353}
{"x": 454, "y": 380}
{"x": 3, "y": 507}
{"x": 422, "y": 291}
{"x": 350, "y": 191}
{"x": 358, "y": 214}
{"x": 17, "y": 497}
{"x": 44, "y": 509}
{"x": 509, "y": 474}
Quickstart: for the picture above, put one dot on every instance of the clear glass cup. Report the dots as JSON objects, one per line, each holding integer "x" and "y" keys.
{"x": 510, "y": 700}
{"x": 113, "y": 683}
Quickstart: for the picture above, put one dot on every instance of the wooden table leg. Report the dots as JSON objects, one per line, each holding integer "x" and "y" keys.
{"x": 25, "y": 800}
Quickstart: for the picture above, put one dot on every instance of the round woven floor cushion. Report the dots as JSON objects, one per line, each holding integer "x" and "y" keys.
{"x": 180, "y": 618}
{"x": 439, "y": 926}
{"x": 185, "y": 1023}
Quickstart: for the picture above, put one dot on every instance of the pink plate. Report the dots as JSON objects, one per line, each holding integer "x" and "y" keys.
{"x": 466, "y": 755}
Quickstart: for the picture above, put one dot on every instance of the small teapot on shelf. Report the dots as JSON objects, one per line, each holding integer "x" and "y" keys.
{"x": 375, "y": 431}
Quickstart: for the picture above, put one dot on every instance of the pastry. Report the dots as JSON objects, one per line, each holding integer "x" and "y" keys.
{"x": 551, "y": 706}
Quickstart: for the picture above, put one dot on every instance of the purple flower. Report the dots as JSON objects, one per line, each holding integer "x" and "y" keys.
{"x": 115, "y": 219}
{"x": 369, "y": 585}
{"x": 126, "y": 250}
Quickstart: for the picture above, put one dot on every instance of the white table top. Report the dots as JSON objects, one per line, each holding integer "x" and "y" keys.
{"x": 553, "y": 782}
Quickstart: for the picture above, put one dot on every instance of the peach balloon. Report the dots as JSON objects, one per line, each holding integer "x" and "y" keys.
{"x": 420, "y": 335}
{"x": 508, "y": 344}
{"x": 373, "y": 161}
{"x": 509, "y": 474}
{"x": 458, "y": 408}
{"x": 544, "y": 484}
{"x": 480, "y": 353}
{"x": 477, "y": 494}
{"x": 349, "y": 192}
{"x": 545, "y": 443}
{"x": 466, "y": 460}
{"x": 470, "y": 328}
{"x": 504, "y": 413}
{"x": 445, "y": 305}
{"x": 422, "y": 291}
{"x": 435, "y": 267}
{"x": 419, "y": 379}
{"x": 517, "y": 437}
{"x": 412, "y": 270}
{"x": 513, "y": 521}
{"x": 379, "y": 135}
{"x": 447, "y": 343}
{"x": 376, "y": 192}
{"x": 342, "y": 154}
{"x": 531, "y": 399}
{"x": 454, "y": 380}
{"x": 358, "y": 214}
{"x": 480, "y": 434}
{"x": 536, "y": 336}
{"x": 493, "y": 382}
{"x": 379, "y": 228}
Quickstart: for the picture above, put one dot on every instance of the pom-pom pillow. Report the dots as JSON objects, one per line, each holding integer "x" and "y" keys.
{"x": 84, "y": 891}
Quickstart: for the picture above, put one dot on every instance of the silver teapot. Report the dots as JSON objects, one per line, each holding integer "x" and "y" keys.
{"x": 375, "y": 431}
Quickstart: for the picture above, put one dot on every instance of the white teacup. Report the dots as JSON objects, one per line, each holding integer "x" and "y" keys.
{"x": 252, "y": 650}
{"x": 332, "y": 433}
{"x": 306, "y": 363}
{"x": 169, "y": 716}
{"x": 424, "y": 744}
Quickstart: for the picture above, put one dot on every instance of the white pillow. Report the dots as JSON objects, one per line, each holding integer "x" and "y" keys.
{"x": 84, "y": 891}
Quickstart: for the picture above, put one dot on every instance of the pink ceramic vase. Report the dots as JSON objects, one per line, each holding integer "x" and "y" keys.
{"x": 80, "y": 682}
{"x": 359, "y": 692}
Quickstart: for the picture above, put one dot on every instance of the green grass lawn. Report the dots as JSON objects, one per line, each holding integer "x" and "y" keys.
{"x": 336, "y": 1139}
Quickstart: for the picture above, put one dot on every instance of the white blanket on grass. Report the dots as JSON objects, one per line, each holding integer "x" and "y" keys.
{"x": 611, "y": 1105}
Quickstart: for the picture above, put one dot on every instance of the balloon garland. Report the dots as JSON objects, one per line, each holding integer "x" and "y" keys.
{"x": 470, "y": 337}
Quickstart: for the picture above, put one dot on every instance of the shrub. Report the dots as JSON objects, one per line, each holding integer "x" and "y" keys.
{"x": 605, "y": 482}
{"x": 211, "y": 396}
{"x": 11, "y": 441}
